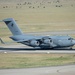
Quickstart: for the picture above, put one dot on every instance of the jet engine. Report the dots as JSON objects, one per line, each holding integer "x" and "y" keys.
{"x": 47, "y": 41}
{"x": 34, "y": 43}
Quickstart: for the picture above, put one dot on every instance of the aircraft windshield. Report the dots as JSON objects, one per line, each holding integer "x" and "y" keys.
{"x": 70, "y": 38}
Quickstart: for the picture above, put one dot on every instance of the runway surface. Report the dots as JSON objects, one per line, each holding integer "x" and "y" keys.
{"x": 58, "y": 70}
{"x": 25, "y": 49}
{"x": 64, "y": 32}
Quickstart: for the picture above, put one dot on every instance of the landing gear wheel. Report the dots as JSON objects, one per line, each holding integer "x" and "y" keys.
{"x": 71, "y": 48}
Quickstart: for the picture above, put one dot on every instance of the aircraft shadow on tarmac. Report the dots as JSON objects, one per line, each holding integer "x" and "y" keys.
{"x": 30, "y": 49}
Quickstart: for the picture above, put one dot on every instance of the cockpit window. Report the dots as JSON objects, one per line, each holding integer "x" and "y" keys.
{"x": 70, "y": 38}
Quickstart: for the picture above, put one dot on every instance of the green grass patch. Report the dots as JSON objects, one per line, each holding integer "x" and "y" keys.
{"x": 10, "y": 60}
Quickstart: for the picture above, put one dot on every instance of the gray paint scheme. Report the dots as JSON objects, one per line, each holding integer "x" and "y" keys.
{"x": 38, "y": 41}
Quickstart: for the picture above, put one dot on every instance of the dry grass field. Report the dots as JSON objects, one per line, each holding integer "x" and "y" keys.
{"x": 38, "y": 15}
{"x": 11, "y": 60}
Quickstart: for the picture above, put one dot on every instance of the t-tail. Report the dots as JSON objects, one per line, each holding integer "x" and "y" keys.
{"x": 13, "y": 27}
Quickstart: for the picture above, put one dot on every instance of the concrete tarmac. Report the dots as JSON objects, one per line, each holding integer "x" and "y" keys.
{"x": 25, "y": 49}
{"x": 58, "y": 70}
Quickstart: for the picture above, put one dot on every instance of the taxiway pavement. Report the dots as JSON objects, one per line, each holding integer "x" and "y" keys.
{"x": 58, "y": 70}
{"x": 25, "y": 49}
{"x": 64, "y": 32}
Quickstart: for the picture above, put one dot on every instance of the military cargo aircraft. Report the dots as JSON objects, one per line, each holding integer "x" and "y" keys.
{"x": 44, "y": 42}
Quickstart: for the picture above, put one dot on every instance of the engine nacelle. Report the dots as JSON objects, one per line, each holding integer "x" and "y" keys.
{"x": 47, "y": 41}
{"x": 34, "y": 43}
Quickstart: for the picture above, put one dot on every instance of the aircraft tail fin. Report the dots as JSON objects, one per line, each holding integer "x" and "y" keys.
{"x": 13, "y": 27}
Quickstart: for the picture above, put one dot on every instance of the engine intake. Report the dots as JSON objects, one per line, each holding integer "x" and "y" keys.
{"x": 47, "y": 41}
{"x": 34, "y": 43}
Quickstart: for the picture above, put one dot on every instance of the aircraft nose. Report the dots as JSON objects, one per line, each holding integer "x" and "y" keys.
{"x": 73, "y": 41}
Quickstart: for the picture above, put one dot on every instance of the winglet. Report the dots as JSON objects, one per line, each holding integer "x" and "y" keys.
{"x": 2, "y": 41}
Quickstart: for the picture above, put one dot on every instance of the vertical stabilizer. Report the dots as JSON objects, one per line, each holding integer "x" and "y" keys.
{"x": 13, "y": 27}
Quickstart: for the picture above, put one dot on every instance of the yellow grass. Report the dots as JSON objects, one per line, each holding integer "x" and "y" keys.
{"x": 10, "y": 60}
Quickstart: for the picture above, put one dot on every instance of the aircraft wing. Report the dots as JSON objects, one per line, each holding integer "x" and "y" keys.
{"x": 23, "y": 38}
{"x": 34, "y": 41}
